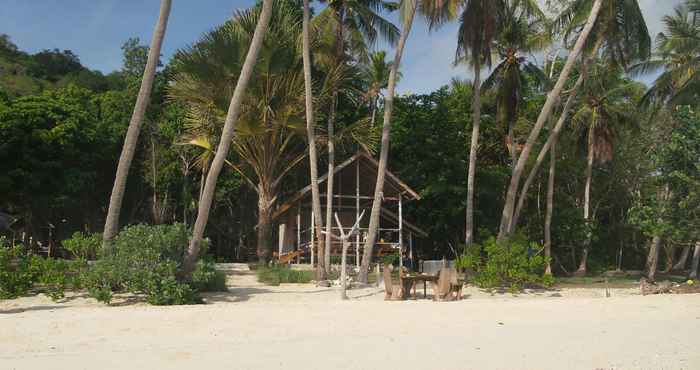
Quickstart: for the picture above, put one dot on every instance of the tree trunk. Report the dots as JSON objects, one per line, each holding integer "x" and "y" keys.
{"x": 550, "y": 208}
{"x": 132, "y": 134}
{"x": 473, "y": 147}
{"x": 680, "y": 265}
{"x": 552, "y": 98}
{"x": 553, "y": 136}
{"x": 329, "y": 189}
{"x": 264, "y": 227}
{"x": 311, "y": 136}
{"x": 670, "y": 251}
{"x": 582, "y": 267}
{"x": 696, "y": 261}
{"x": 226, "y": 137}
{"x": 384, "y": 153}
{"x": 653, "y": 258}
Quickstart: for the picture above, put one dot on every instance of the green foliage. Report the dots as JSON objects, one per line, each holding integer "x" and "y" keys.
{"x": 514, "y": 264}
{"x": 276, "y": 275}
{"x": 147, "y": 260}
{"x": 21, "y": 272}
{"x": 83, "y": 246}
{"x": 205, "y": 277}
{"x": 390, "y": 258}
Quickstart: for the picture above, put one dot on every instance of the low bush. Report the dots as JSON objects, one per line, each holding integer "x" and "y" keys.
{"x": 276, "y": 275}
{"x": 22, "y": 272}
{"x": 148, "y": 260}
{"x": 83, "y": 246}
{"x": 514, "y": 264}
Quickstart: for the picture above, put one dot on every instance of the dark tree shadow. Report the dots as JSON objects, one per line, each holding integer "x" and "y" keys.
{"x": 33, "y": 308}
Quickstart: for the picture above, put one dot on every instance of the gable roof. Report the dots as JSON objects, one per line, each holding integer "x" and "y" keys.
{"x": 390, "y": 181}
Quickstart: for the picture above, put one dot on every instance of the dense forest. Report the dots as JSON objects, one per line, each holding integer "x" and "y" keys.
{"x": 611, "y": 174}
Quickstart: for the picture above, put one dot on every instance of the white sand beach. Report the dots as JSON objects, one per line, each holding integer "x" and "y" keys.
{"x": 304, "y": 327}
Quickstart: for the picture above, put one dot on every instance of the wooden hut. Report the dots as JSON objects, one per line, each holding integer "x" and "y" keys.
{"x": 354, "y": 182}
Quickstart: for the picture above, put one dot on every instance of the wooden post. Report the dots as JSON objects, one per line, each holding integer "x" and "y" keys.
{"x": 357, "y": 212}
{"x": 410, "y": 246}
{"x": 299, "y": 234}
{"x": 400, "y": 234}
{"x": 280, "y": 246}
{"x": 312, "y": 242}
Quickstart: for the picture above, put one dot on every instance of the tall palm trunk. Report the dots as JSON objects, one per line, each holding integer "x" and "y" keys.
{"x": 226, "y": 137}
{"x": 550, "y": 208}
{"x": 384, "y": 152}
{"x": 696, "y": 261}
{"x": 340, "y": 50}
{"x": 132, "y": 134}
{"x": 554, "y": 135}
{"x": 552, "y": 98}
{"x": 329, "y": 188}
{"x": 582, "y": 267}
{"x": 653, "y": 258}
{"x": 311, "y": 135}
{"x": 474, "y": 146}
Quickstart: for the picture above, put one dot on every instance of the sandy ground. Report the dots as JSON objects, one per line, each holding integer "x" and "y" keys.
{"x": 305, "y": 327}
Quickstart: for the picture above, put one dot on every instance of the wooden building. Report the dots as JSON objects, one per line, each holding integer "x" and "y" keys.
{"x": 354, "y": 182}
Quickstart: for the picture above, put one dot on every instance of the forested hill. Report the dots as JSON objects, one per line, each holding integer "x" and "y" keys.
{"x": 22, "y": 73}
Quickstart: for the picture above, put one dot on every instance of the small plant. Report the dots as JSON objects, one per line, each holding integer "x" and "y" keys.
{"x": 83, "y": 246}
{"x": 206, "y": 278}
{"x": 276, "y": 275}
{"x": 514, "y": 263}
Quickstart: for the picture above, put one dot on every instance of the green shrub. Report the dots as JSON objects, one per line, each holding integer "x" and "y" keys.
{"x": 513, "y": 264}
{"x": 83, "y": 246}
{"x": 276, "y": 275}
{"x": 147, "y": 260}
{"x": 22, "y": 272}
{"x": 206, "y": 278}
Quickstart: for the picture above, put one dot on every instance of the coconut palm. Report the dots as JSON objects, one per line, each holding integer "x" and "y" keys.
{"x": 408, "y": 10}
{"x": 678, "y": 56}
{"x": 376, "y": 75}
{"x": 522, "y": 31}
{"x": 621, "y": 34}
{"x": 132, "y": 134}
{"x": 353, "y": 26}
{"x": 260, "y": 17}
{"x": 607, "y": 104}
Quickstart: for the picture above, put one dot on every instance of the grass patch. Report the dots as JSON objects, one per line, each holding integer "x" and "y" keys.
{"x": 276, "y": 275}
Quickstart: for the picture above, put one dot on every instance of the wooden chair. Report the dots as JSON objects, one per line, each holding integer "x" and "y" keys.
{"x": 393, "y": 292}
{"x": 448, "y": 287}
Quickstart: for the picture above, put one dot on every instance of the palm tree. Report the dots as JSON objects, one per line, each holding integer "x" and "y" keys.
{"x": 607, "y": 103}
{"x": 354, "y": 24}
{"x": 622, "y": 34}
{"x": 132, "y": 134}
{"x": 521, "y": 33}
{"x": 310, "y": 131}
{"x": 408, "y": 12}
{"x": 376, "y": 75}
{"x": 678, "y": 55}
{"x": 262, "y": 16}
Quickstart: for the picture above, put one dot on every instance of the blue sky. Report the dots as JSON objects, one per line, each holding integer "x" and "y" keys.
{"x": 95, "y": 29}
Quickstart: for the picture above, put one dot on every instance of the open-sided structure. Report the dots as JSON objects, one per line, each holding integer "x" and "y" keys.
{"x": 354, "y": 182}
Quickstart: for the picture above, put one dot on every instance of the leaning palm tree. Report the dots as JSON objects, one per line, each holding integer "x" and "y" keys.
{"x": 261, "y": 18}
{"x": 132, "y": 134}
{"x": 353, "y": 27}
{"x": 621, "y": 34}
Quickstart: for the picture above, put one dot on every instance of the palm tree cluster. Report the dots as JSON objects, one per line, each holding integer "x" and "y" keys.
{"x": 270, "y": 84}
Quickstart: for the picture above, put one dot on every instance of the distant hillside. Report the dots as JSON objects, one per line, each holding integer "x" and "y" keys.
{"x": 23, "y": 74}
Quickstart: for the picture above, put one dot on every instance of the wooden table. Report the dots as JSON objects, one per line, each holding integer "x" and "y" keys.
{"x": 414, "y": 279}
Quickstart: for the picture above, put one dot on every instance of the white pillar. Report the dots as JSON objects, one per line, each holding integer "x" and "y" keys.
{"x": 299, "y": 233}
{"x": 312, "y": 242}
{"x": 400, "y": 233}
{"x": 357, "y": 212}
